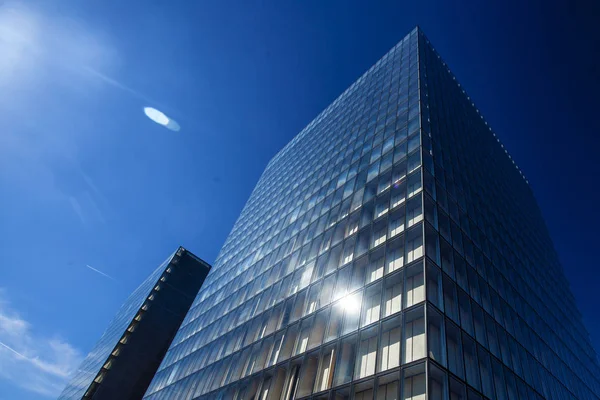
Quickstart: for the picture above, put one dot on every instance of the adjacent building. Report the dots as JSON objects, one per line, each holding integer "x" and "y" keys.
{"x": 124, "y": 360}
{"x": 392, "y": 250}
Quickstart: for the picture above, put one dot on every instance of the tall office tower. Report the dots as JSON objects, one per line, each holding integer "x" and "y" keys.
{"x": 392, "y": 250}
{"x": 124, "y": 360}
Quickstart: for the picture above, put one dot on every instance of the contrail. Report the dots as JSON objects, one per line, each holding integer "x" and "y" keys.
{"x": 13, "y": 350}
{"x": 101, "y": 273}
{"x": 118, "y": 85}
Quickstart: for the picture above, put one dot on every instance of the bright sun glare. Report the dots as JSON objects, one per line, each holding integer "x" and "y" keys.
{"x": 350, "y": 303}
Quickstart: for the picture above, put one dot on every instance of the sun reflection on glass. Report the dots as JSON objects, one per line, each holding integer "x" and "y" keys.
{"x": 350, "y": 303}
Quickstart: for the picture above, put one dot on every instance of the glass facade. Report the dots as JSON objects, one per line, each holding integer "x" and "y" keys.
{"x": 392, "y": 250}
{"x": 128, "y": 354}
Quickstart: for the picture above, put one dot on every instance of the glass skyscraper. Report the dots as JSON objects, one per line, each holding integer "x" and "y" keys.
{"x": 392, "y": 250}
{"x": 124, "y": 360}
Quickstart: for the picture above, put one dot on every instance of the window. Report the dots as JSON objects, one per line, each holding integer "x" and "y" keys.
{"x": 454, "y": 345}
{"x": 318, "y": 329}
{"x": 450, "y": 300}
{"x": 461, "y": 271}
{"x": 457, "y": 390}
{"x": 334, "y": 259}
{"x": 325, "y": 374}
{"x": 398, "y": 193}
{"x": 413, "y": 141}
{"x": 348, "y": 254}
{"x": 437, "y": 383}
{"x": 352, "y": 305}
{"x": 343, "y": 278}
{"x": 272, "y": 386}
{"x": 490, "y": 326}
{"x": 345, "y": 362}
{"x": 399, "y": 154}
{"x": 395, "y": 255}
{"x": 414, "y": 244}
{"x": 473, "y": 284}
{"x": 287, "y": 312}
{"x": 392, "y": 294}
{"x": 252, "y": 330}
{"x": 341, "y": 394}
{"x": 376, "y": 263}
{"x": 313, "y": 299}
{"x": 498, "y": 372}
{"x": 291, "y": 381}
{"x": 389, "y": 347}
{"x": 511, "y": 384}
{"x": 373, "y": 171}
{"x": 478, "y": 322}
{"x": 447, "y": 258}
{"x": 370, "y": 191}
{"x": 275, "y": 348}
{"x": 362, "y": 243}
{"x": 413, "y": 185}
{"x": 380, "y": 233}
{"x": 431, "y": 211}
{"x": 382, "y": 205}
{"x": 256, "y": 360}
{"x": 396, "y": 224}
{"x": 415, "y": 288}
{"x": 241, "y": 364}
{"x": 302, "y": 343}
{"x": 434, "y": 285}
{"x": 413, "y": 162}
{"x": 359, "y": 271}
{"x": 367, "y": 354}
{"x": 386, "y": 161}
{"x": 487, "y": 383}
{"x": 298, "y": 306}
{"x": 388, "y": 387}
{"x": 352, "y": 227}
{"x": 371, "y": 305}
{"x": 289, "y": 340}
{"x": 384, "y": 182}
{"x": 471, "y": 363}
{"x": 308, "y": 375}
{"x": 366, "y": 394}
{"x": 414, "y": 211}
{"x": 414, "y": 383}
{"x": 475, "y": 396}
{"x": 414, "y": 335}
{"x": 466, "y": 318}
{"x": 436, "y": 338}
{"x": 432, "y": 243}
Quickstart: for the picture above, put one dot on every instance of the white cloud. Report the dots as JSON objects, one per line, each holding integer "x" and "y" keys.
{"x": 32, "y": 361}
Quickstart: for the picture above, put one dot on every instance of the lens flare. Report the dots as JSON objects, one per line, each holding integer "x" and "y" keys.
{"x": 160, "y": 118}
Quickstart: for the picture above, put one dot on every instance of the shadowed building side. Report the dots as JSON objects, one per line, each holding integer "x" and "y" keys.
{"x": 128, "y": 354}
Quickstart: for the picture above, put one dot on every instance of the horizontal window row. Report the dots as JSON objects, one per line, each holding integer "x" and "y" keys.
{"x": 401, "y": 288}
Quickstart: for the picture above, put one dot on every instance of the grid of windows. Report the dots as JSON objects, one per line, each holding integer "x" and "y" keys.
{"x": 390, "y": 250}
{"x": 492, "y": 268}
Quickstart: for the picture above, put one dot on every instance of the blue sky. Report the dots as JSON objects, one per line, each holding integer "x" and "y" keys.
{"x": 87, "y": 180}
